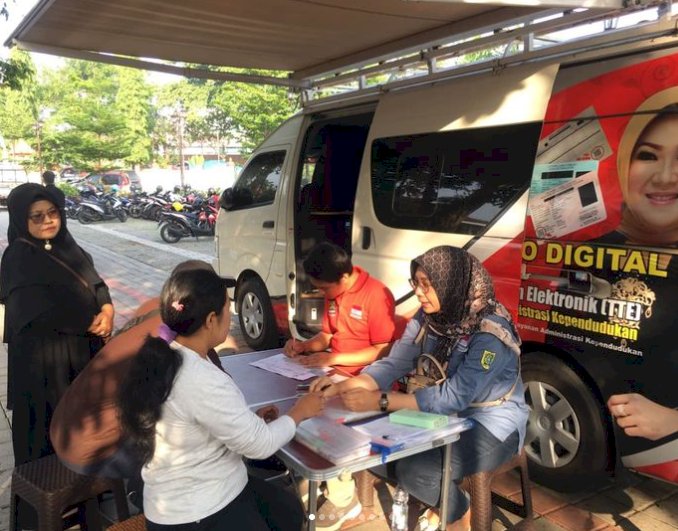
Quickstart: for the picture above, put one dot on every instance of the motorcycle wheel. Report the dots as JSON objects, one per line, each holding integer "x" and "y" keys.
{"x": 86, "y": 216}
{"x": 122, "y": 215}
{"x": 153, "y": 213}
{"x": 171, "y": 232}
{"x": 135, "y": 211}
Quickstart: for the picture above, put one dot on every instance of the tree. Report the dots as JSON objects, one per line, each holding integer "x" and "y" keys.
{"x": 134, "y": 102}
{"x": 15, "y": 71}
{"x": 102, "y": 116}
{"x": 254, "y": 111}
{"x": 16, "y": 120}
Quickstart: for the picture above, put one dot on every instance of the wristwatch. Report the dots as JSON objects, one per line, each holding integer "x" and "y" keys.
{"x": 383, "y": 402}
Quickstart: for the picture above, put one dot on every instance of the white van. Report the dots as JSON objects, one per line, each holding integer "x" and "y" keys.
{"x": 529, "y": 158}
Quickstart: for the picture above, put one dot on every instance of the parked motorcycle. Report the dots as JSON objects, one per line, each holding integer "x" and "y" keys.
{"x": 177, "y": 225}
{"x": 71, "y": 208}
{"x": 100, "y": 208}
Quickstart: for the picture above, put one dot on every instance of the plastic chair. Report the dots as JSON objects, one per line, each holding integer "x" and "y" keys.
{"x": 479, "y": 487}
{"x": 50, "y": 488}
{"x": 136, "y": 523}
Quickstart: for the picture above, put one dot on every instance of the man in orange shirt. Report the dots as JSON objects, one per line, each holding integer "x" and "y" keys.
{"x": 358, "y": 327}
{"x": 359, "y": 316}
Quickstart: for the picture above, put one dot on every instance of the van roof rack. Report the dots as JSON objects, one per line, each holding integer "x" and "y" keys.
{"x": 569, "y": 35}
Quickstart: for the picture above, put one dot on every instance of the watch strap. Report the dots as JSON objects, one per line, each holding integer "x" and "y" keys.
{"x": 383, "y": 402}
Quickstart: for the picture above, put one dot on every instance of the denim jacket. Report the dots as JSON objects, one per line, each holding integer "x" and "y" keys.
{"x": 480, "y": 369}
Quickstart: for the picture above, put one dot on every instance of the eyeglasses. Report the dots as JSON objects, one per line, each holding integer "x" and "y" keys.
{"x": 424, "y": 286}
{"x": 39, "y": 217}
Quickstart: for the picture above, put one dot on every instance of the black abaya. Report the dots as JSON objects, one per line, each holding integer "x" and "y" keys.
{"x": 48, "y": 311}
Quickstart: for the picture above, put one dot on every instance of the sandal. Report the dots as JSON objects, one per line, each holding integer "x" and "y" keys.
{"x": 427, "y": 521}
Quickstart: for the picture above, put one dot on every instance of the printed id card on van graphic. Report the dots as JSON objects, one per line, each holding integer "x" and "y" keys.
{"x": 547, "y": 176}
{"x": 579, "y": 139}
{"x": 568, "y": 207}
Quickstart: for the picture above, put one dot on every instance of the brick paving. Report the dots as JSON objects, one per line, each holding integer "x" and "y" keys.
{"x": 136, "y": 272}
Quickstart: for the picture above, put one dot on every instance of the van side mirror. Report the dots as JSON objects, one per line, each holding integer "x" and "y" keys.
{"x": 226, "y": 199}
{"x": 233, "y": 199}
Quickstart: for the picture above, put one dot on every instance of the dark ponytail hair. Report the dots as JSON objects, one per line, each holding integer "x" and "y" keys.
{"x": 187, "y": 298}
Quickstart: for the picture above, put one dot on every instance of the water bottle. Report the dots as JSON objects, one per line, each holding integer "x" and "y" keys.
{"x": 399, "y": 510}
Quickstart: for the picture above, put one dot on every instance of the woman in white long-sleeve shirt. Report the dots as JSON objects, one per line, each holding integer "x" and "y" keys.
{"x": 192, "y": 426}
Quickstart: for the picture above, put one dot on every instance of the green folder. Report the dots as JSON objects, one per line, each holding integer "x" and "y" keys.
{"x": 421, "y": 419}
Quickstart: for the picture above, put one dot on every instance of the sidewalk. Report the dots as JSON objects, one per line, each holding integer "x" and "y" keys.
{"x": 628, "y": 503}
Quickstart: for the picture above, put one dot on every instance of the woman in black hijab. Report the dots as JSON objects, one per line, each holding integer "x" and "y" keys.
{"x": 57, "y": 313}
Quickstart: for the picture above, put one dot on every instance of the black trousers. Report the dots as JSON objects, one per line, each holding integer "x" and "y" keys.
{"x": 260, "y": 506}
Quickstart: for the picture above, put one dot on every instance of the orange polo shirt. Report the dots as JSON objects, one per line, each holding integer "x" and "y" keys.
{"x": 362, "y": 316}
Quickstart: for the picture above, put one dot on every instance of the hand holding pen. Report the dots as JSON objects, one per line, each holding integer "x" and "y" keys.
{"x": 325, "y": 386}
{"x": 293, "y": 348}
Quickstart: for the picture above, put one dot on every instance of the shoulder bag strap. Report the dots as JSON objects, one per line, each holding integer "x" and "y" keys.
{"x": 64, "y": 265}
{"x": 504, "y": 398}
{"x": 438, "y": 365}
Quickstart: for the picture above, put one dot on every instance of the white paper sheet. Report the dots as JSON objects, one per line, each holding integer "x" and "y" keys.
{"x": 281, "y": 364}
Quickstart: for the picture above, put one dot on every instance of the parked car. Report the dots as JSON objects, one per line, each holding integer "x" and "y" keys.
{"x": 70, "y": 174}
{"x": 125, "y": 180}
{"x": 10, "y": 176}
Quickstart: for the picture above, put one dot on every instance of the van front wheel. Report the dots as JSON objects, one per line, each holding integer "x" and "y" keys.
{"x": 255, "y": 315}
{"x": 567, "y": 434}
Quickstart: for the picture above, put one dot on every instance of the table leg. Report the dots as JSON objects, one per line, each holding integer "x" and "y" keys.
{"x": 445, "y": 485}
{"x": 312, "y": 504}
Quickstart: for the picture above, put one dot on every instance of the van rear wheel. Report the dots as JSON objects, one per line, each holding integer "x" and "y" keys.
{"x": 255, "y": 314}
{"x": 567, "y": 434}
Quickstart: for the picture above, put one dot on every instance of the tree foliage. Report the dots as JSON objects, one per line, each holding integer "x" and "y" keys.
{"x": 94, "y": 116}
{"x": 18, "y": 71}
{"x": 101, "y": 116}
{"x": 253, "y": 111}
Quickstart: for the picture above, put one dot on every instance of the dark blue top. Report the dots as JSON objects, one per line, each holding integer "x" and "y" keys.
{"x": 480, "y": 369}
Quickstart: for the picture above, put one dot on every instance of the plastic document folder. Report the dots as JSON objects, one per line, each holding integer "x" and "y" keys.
{"x": 335, "y": 442}
{"x": 385, "y": 435}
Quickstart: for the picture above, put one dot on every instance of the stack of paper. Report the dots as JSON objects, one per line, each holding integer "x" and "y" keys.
{"x": 335, "y": 442}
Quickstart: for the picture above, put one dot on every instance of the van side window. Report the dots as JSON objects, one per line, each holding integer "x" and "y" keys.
{"x": 261, "y": 177}
{"x": 454, "y": 181}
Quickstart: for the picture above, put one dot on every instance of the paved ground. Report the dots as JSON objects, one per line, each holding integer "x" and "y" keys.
{"x": 135, "y": 262}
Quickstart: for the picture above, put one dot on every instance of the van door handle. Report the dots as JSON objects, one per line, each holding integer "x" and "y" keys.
{"x": 367, "y": 237}
{"x": 268, "y": 224}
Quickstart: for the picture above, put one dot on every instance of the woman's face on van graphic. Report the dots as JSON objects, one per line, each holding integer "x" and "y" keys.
{"x": 653, "y": 175}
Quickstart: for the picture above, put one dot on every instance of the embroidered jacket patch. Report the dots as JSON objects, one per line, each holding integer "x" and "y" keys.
{"x": 487, "y": 359}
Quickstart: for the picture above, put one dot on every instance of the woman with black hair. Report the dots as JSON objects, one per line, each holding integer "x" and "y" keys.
{"x": 191, "y": 424}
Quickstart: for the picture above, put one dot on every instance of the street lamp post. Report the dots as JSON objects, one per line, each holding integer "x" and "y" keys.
{"x": 181, "y": 115}
{"x": 38, "y": 129}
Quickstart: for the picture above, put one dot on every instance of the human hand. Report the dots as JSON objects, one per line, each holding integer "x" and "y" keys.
{"x": 102, "y": 324}
{"x": 319, "y": 359}
{"x": 360, "y": 399}
{"x": 293, "y": 348}
{"x": 307, "y": 406}
{"x": 325, "y": 386}
{"x": 268, "y": 413}
{"x": 640, "y": 417}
